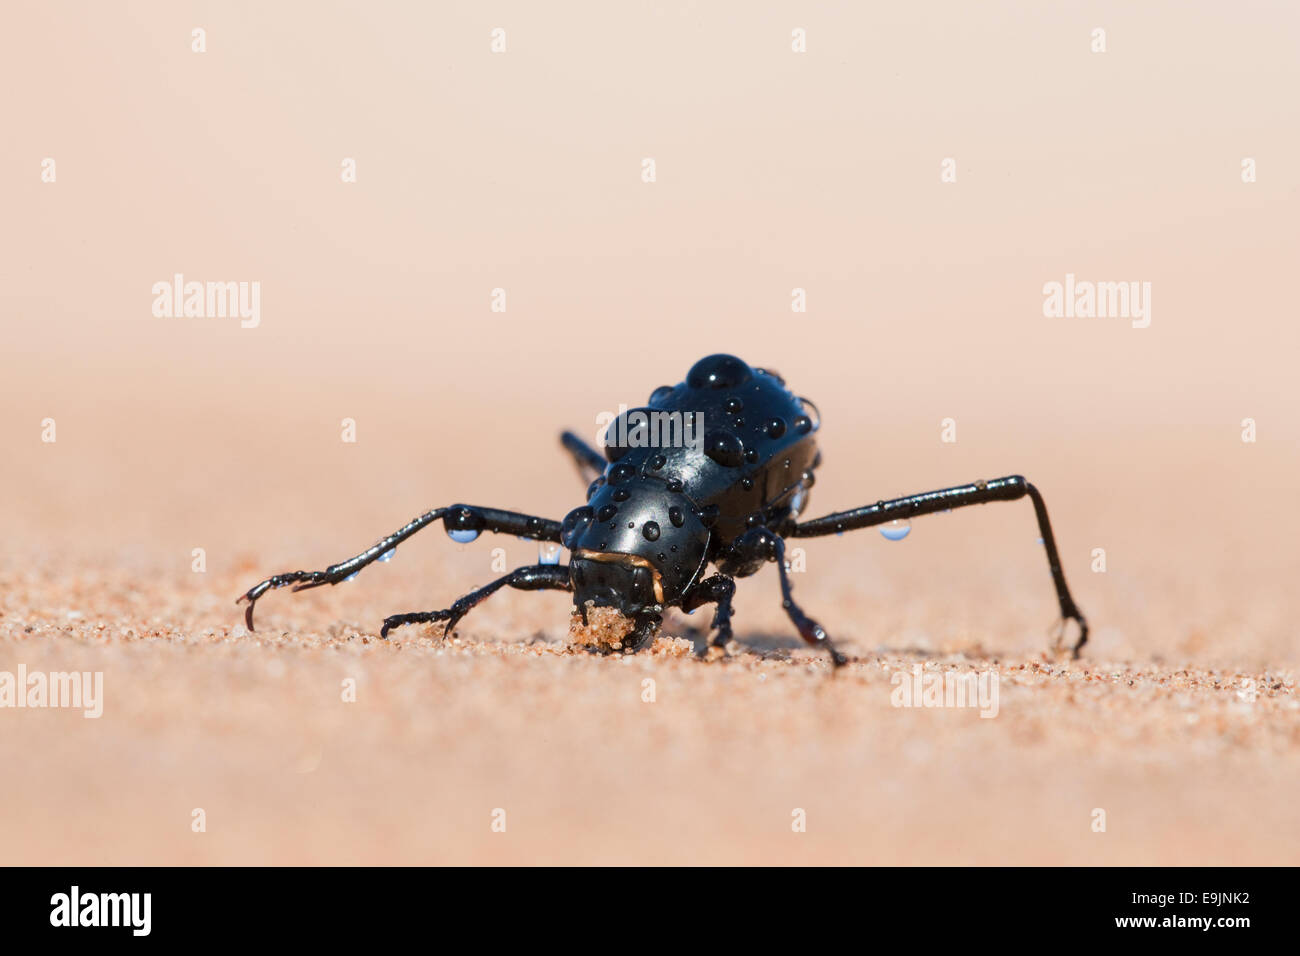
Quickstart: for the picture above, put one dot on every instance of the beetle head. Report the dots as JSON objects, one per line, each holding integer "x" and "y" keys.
{"x": 635, "y": 546}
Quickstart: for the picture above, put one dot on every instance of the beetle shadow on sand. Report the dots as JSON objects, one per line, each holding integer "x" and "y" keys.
{"x": 778, "y": 644}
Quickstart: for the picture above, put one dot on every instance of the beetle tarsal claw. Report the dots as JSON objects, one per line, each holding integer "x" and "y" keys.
{"x": 1057, "y": 632}
{"x": 248, "y": 611}
{"x": 251, "y": 596}
{"x": 1060, "y": 628}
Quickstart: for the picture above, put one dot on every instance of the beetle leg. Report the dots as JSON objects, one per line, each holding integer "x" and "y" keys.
{"x": 644, "y": 628}
{"x": 456, "y": 518}
{"x": 1000, "y": 489}
{"x": 535, "y": 577}
{"x": 590, "y": 462}
{"x": 719, "y": 590}
{"x": 748, "y": 553}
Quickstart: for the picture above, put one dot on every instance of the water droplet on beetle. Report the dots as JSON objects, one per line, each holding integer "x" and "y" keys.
{"x": 352, "y": 576}
{"x": 651, "y": 530}
{"x": 797, "y": 502}
{"x": 724, "y": 448}
{"x": 896, "y": 530}
{"x": 574, "y": 524}
{"x": 462, "y": 521}
{"x": 548, "y": 552}
{"x": 717, "y": 371}
{"x": 811, "y": 411}
{"x": 388, "y": 555}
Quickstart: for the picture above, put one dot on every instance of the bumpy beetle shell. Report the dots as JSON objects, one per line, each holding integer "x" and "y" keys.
{"x": 679, "y": 506}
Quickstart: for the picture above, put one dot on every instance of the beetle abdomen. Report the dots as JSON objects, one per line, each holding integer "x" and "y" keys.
{"x": 757, "y": 449}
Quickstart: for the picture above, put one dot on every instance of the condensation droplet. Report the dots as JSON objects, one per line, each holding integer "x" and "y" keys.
{"x": 810, "y": 410}
{"x": 896, "y": 530}
{"x": 797, "y": 501}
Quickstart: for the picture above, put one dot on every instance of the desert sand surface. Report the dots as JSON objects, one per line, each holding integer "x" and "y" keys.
{"x": 776, "y": 171}
{"x": 1156, "y": 723}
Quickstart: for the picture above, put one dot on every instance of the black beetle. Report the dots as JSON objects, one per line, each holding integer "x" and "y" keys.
{"x": 725, "y": 489}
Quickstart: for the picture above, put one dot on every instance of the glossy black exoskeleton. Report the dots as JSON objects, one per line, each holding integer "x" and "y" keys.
{"x": 712, "y": 472}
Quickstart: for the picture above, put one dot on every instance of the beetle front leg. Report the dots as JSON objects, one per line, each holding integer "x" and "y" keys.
{"x": 535, "y": 577}
{"x": 751, "y": 551}
{"x": 463, "y": 518}
{"x": 719, "y": 590}
{"x": 645, "y": 625}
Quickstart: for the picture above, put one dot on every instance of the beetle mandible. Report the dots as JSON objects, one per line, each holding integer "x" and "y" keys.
{"x": 659, "y": 514}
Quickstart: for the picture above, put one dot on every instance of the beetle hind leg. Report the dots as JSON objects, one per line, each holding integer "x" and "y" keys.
{"x": 1010, "y": 488}
{"x": 590, "y": 462}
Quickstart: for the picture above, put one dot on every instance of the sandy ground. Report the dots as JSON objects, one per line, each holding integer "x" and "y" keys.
{"x": 522, "y": 172}
{"x": 1157, "y": 725}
